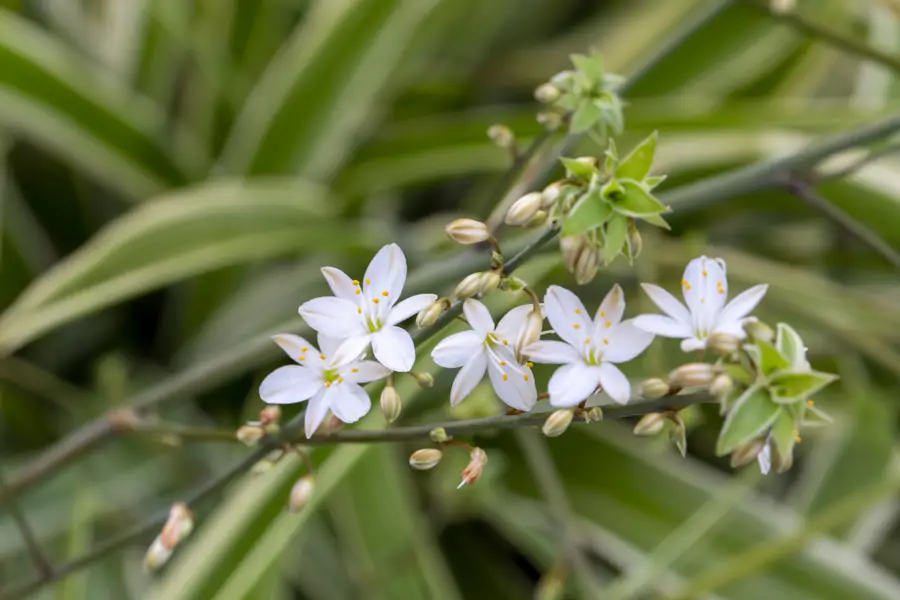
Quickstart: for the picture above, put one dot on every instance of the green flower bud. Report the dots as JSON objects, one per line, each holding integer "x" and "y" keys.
{"x": 390, "y": 403}
{"x": 523, "y": 209}
{"x": 301, "y": 492}
{"x": 651, "y": 389}
{"x": 502, "y": 136}
{"x": 557, "y": 423}
{"x": 467, "y": 231}
{"x": 692, "y": 375}
{"x": 650, "y": 424}
{"x": 723, "y": 344}
{"x": 438, "y": 435}
{"x": 424, "y": 459}
{"x": 547, "y": 93}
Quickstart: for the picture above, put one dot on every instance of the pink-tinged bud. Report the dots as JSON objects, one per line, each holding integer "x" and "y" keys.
{"x": 157, "y": 555}
{"x": 390, "y": 403}
{"x": 472, "y": 473}
{"x": 250, "y": 435}
{"x": 650, "y": 424}
{"x": 502, "y": 136}
{"x": 424, "y": 459}
{"x": 430, "y": 315}
{"x": 557, "y": 423}
{"x": 523, "y": 209}
{"x": 651, "y": 389}
{"x": 692, "y": 375}
{"x": 269, "y": 415}
{"x": 178, "y": 526}
{"x": 467, "y": 231}
{"x": 301, "y": 492}
{"x": 547, "y": 93}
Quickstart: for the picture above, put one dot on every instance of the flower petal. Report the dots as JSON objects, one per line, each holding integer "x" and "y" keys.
{"x": 394, "y": 348}
{"x": 290, "y": 384}
{"x": 513, "y": 322}
{"x": 552, "y": 353}
{"x": 514, "y": 384}
{"x": 572, "y": 383}
{"x": 667, "y": 303}
{"x": 407, "y": 308}
{"x": 386, "y": 273}
{"x": 693, "y": 344}
{"x": 455, "y": 350}
{"x": 468, "y": 377}
{"x": 765, "y": 459}
{"x": 478, "y": 316}
{"x": 335, "y": 317}
{"x": 611, "y": 309}
{"x": 299, "y": 349}
{"x": 626, "y": 341}
{"x": 349, "y": 402}
{"x": 700, "y": 284}
{"x": 349, "y": 351}
{"x": 329, "y": 345}
{"x": 316, "y": 410}
{"x": 614, "y": 383}
{"x": 741, "y": 305}
{"x": 340, "y": 283}
{"x": 363, "y": 372}
{"x": 663, "y": 326}
{"x": 567, "y": 315}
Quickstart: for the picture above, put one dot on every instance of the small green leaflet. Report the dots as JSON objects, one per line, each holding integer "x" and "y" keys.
{"x": 637, "y": 164}
{"x": 589, "y": 212}
{"x": 788, "y": 387}
{"x": 750, "y": 416}
{"x": 616, "y": 232}
{"x": 636, "y": 201}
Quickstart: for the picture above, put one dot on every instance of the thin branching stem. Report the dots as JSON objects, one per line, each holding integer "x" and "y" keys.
{"x": 40, "y": 560}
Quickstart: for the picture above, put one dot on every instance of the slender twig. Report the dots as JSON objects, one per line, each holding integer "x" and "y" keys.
{"x": 417, "y": 432}
{"x": 818, "y": 202}
{"x": 40, "y": 560}
{"x": 826, "y": 34}
{"x": 856, "y": 165}
{"x": 541, "y": 465}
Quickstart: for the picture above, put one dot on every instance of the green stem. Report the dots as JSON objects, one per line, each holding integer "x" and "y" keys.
{"x": 40, "y": 560}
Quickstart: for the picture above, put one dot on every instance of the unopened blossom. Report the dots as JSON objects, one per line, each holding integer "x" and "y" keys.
{"x": 367, "y": 313}
{"x": 492, "y": 349}
{"x": 705, "y": 290}
{"x": 313, "y": 378}
{"x": 589, "y": 349}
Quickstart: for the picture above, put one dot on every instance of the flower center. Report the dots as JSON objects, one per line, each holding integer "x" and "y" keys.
{"x": 331, "y": 376}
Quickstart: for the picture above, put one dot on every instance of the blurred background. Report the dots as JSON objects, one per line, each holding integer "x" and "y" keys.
{"x": 175, "y": 172}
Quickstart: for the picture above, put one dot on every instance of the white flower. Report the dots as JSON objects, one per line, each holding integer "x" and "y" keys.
{"x": 366, "y": 314}
{"x": 490, "y": 348}
{"x": 327, "y": 388}
{"x": 589, "y": 348}
{"x": 705, "y": 291}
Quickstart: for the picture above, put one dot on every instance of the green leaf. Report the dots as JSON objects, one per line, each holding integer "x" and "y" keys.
{"x": 653, "y": 182}
{"x": 788, "y": 386}
{"x": 783, "y": 436}
{"x": 790, "y": 345}
{"x": 637, "y": 164}
{"x": 616, "y": 232}
{"x": 324, "y": 87}
{"x": 612, "y": 159}
{"x": 585, "y": 117}
{"x": 751, "y": 414}
{"x": 589, "y": 212}
{"x": 172, "y": 238}
{"x": 657, "y": 221}
{"x": 813, "y": 416}
{"x": 590, "y": 66}
{"x": 579, "y": 169}
{"x": 766, "y": 357}
{"x": 637, "y": 202}
{"x": 738, "y": 373}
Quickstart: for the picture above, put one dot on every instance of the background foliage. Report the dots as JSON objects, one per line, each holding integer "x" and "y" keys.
{"x": 174, "y": 174}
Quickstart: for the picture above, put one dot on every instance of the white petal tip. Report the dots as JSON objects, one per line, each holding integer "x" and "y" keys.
{"x": 461, "y": 484}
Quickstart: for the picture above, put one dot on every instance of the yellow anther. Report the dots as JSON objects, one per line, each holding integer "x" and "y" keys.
{"x": 685, "y": 283}
{"x": 322, "y": 356}
{"x": 606, "y": 341}
{"x": 526, "y": 377}
{"x": 576, "y": 326}
{"x": 587, "y": 340}
{"x": 355, "y": 282}
{"x": 384, "y": 293}
{"x": 359, "y": 310}
{"x": 505, "y": 377}
{"x": 705, "y": 273}
{"x": 358, "y": 291}
{"x": 602, "y": 314}
{"x": 502, "y": 363}
{"x": 368, "y": 282}
{"x": 529, "y": 364}
{"x": 375, "y": 300}
{"x": 301, "y": 358}
{"x": 577, "y": 311}
{"x": 340, "y": 380}
{"x": 355, "y": 370}
{"x": 798, "y": 439}
{"x": 505, "y": 343}
{"x": 810, "y": 403}
{"x": 608, "y": 324}
{"x": 702, "y": 300}
{"x": 304, "y": 349}
{"x": 327, "y": 384}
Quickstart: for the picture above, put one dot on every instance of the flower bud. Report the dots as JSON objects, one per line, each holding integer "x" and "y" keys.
{"x": 781, "y": 7}
{"x": 571, "y": 247}
{"x": 539, "y": 218}
{"x": 651, "y": 389}
{"x": 424, "y": 459}
{"x": 551, "y": 193}
{"x": 467, "y": 231}
{"x": 721, "y": 386}
{"x": 692, "y": 375}
{"x": 502, "y": 136}
{"x": 438, "y": 435}
{"x": 550, "y": 120}
{"x": 757, "y": 330}
{"x": 157, "y": 555}
{"x": 269, "y": 415}
{"x": 425, "y": 380}
{"x": 249, "y": 435}
{"x": 650, "y": 424}
{"x": 634, "y": 240}
{"x": 178, "y": 526}
{"x": 468, "y": 287}
{"x": 747, "y": 453}
{"x": 591, "y": 161}
{"x": 390, "y": 403}
{"x": 531, "y": 332}
{"x": 593, "y": 415}
{"x": 489, "y": 281}
{"x": 523, "y": 209}
{"x": 547, "y": 93}
{"x": 472, "y": 472}
{"x": 557, "y": 423}
{"x": 301, "y": 492}
{"x": 430, "y": 315}
{"x": 586, "y": 266}
{"x": 723, "y": 344}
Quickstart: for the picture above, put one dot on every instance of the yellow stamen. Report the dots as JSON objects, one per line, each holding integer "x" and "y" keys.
{"x": 505, "y": 377}
{"x": 576, "y": 326}
{"x": 358, "y": 291}
{"x": 304, "y": 349}
{"x": 384, "y": 293}
{"x": 608, "y": 324}
{"x": 577, "y": 311}
{"x": 327, "y": 384}
{"x": 529, "y": 364}
{"x": 798, "y": 439}
{"x": 702, "y": 300}
{"x": 505, "y": 343}
{"x": 375, "y": 300}
{"x": 526, "y": 377}
{"x": 502, "y": 363}
{"x": 705, "y": 273}
{"x": 356, "y": 282}
{"x": 359, "y": 310}
{"x": 587, "y": 340}
{"x": 340, "y": 380}
{"x": 606, "y": 341}
{"x": 355, "y": 370}
{"x": 368, "y": 282}
{"x": 810, "y": 403}
{"x": 322, "y": 356}
{"x": 686, "y": 285}
{"x": 602, "y": 314}
{"x": 301, "y": 358}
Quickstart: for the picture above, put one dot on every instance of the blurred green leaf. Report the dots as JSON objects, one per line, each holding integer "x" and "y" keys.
{"x": 750, "y": 415}
{"x": 790, "y": 387}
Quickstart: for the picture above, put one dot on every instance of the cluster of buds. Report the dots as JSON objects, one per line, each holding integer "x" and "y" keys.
{"x": 178, "y": 526}
{"x": 268, "y": 424}
{"x": 428, "y": 458}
